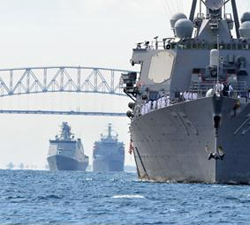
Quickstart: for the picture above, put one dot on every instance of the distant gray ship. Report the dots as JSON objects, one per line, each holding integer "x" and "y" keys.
{"x": 66, "y": 153}
{"x": 190, "y": 119}
{"x": 108, "y": 153}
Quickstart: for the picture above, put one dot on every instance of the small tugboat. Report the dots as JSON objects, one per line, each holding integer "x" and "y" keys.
{"x": 66, "y": 153}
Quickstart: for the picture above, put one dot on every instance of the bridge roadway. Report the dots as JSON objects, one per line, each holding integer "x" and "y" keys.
{"x": 71, "y": 113}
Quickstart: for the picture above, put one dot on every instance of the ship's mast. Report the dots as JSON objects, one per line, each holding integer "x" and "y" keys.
{"x": 192, "y": 12}
{"x": 109, "y": 130}
{"x": 236, "y": 18}
{"x": 66, "y": 131}
{"x": 234, "y": 10}
{"x": 218, "y": 67}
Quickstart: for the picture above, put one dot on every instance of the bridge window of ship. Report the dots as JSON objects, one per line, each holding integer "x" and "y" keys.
{"x": 229, "y": 46}
{"x": 172, "y": 46}
{"x": 245, "y": 47}
{"x": 234, "y": 47}
{"x": 190, "y": 44}
{"x": 222, "y": 46}
{"x": 199, "y": 45}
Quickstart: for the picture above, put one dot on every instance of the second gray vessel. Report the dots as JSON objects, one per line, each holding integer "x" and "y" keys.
{"x": 108, "y": 153}
{"x": 66, "y": 152}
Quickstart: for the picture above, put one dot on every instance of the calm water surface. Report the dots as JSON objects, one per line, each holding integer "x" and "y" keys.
{"x": 43, "y": 197}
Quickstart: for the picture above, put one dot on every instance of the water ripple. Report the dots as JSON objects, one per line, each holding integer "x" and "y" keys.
{"x": 43, "y": 197}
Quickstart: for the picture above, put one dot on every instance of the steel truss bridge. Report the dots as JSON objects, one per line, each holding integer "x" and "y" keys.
{"x": 20, "y": 81}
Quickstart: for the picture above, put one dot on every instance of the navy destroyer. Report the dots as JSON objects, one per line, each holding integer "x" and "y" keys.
{"x": 65, "y": 152}
{"x": 190, "y": 115}
{"x": 108, "y": 153}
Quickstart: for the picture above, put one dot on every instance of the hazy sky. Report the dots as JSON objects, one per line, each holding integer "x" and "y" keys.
{"x": 99, "y": 33}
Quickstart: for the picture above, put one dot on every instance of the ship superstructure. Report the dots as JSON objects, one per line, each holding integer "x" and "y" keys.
{"x": 66, "y": 152}
{"x": 108, "y": 153}
{"x": 190, "y": 115}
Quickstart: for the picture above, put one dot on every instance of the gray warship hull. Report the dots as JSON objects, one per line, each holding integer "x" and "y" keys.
{"x": 66, "y": 152}
{"x": 108, "y": 153}
{"x": 177, "y": 133}
{"x": 169, "y": 143}
{"x": 58, "y": 162}
{"x": 105, "y": 164}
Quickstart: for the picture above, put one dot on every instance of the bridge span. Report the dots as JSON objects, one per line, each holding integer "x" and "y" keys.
{"x": 34, "y": 80}
{"x": 19, "y": 81}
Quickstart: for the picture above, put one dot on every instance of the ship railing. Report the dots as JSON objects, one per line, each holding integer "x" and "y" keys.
{"x": 239, "y": 89}
{"x": 193, "y": 44}
{"x": 197, "y": 90}
{"x": 164, "y": 44}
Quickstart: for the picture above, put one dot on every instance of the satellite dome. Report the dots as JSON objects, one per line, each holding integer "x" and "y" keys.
{"x": 245, "y": 30}
{"x": 176, "y": 17}
{"x": 245, "y": 17}
{"x": 184, "y": 28}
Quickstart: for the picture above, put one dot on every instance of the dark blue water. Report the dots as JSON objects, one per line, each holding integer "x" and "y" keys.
{"x": 43, "y": 197}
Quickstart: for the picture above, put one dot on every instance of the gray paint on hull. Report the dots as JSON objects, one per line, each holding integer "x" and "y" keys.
{"x": 171, "y": 143}
{"x": 104, "y": 164}
{"x": 57, "y": 162}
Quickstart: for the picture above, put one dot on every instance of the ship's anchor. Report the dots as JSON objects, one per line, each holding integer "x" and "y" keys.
{"x": 219, "y": 152}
